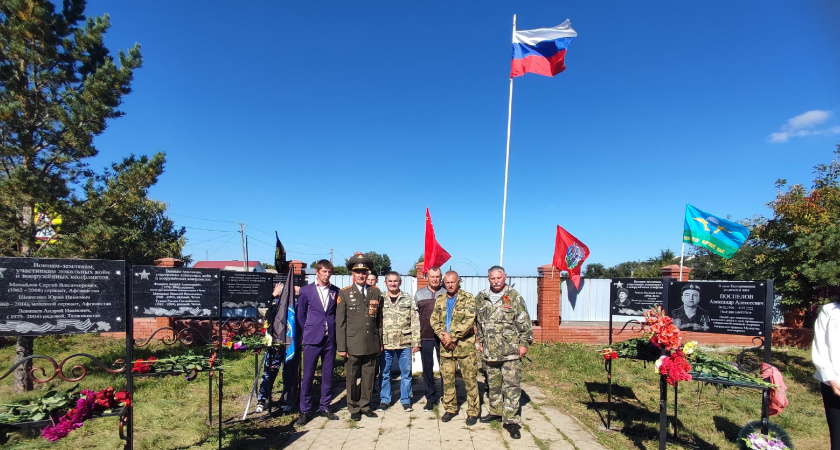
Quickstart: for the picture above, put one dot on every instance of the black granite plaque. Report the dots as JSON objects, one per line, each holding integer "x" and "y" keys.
{"x": 175, "y": 292}
{"x": 244, "y": 292}
{"x": 299, "y": 280}
{"x": 41, "y": 296}
{"x": 729, "y": 307}
{"x": 634, "y": 296}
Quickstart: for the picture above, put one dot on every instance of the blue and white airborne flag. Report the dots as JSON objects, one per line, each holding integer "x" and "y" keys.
{"x": 723, "y": 237}
{"x": 291, "y": 328}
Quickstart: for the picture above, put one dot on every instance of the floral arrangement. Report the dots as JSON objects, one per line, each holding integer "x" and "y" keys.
{"x": 710, "y": 368}
{"x": 190, "y": 364}
{"x": 751, "y": 437}
{"x": 255, "y": 342}
{"x": 67, "y": 410}
{"x": 675, "y": 367}
{"x": 681, "y": 362}
{"x": 663, "y": 331}
{"x": 758, "y": 441}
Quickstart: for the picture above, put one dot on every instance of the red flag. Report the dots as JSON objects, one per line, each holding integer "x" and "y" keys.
{"x": 569, "y": 254}
{"x": 434, "y": 255}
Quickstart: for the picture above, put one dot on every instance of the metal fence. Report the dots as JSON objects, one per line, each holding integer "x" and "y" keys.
{"x": 527, "y": 286}
{"x": 590, "y": 304}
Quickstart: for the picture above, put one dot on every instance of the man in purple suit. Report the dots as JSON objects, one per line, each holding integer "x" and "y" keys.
{"x": 316, "y": 316}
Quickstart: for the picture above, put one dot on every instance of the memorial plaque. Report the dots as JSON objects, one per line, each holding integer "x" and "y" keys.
{"x": 300, "y": 280}
{"x": 244, "y": 292}
{"x": 175, "y": 292}
{"x": 40, "y": 296}
{"x": 729, "y": 307}
{"x": 634, "y": 296}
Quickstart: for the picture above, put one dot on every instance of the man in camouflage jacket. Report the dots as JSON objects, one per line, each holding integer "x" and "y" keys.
{"x": 400, "y": 337}
{"x": 504, "y": 334}
{"x": 453, "y": 320}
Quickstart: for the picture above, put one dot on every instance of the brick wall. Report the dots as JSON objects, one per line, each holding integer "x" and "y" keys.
{"x": 597, "y": 333}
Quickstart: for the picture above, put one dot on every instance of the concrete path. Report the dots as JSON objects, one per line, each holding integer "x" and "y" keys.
{"x": 542, "y": 428}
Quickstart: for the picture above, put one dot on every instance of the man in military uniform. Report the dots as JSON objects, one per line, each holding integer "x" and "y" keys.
{"x": 358, "y": 321}
{"x": 504, "y": 334}
{"x": 400, "y": 338}
{"x": 453, "y": 320}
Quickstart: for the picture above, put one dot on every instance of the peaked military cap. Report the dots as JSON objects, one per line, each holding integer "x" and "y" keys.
{"x": 690, "y": 287}
{"x": 359, "y": 262}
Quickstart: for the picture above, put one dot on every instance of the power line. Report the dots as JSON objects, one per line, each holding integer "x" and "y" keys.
{"x": 222, "y": 246}
{"x": 213, "y": 239}
{"x": 201, "y": 218}
{"x": 207, "y": 229}
{"x": 289, "y": 240}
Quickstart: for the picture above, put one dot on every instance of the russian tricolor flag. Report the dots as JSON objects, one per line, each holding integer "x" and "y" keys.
{"x": 541, "y": 50}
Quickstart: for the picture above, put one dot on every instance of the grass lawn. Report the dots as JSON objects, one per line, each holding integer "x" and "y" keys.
{"x": 573, "y": 378}
{"x": 171, "y": 412}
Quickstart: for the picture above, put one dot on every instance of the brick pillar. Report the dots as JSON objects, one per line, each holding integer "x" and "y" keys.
{"x": 548, "y": 303}
{"x": 422, "y": 281}
{"x": 673, "y": 272}
{"x": 297, "y": 266}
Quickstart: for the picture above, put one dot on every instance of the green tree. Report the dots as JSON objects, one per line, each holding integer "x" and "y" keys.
{"x": 650, "y": 268}
{"x": 58, "y": 86}
{"x": 802, "y": 238}
{"x": 381, "y": 264}
{"x": 413, "y": 271}
{"x": 337, "y": 269}
{"x": 116, "y": 219}
{"x": 595, "y": 270}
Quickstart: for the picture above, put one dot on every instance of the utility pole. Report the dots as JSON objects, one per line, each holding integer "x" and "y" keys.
{"x": 331, "y": 255}
{"x": 244, "y": 253}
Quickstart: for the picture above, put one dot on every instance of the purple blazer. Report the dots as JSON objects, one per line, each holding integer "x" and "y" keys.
{"x": 311, "y": 316}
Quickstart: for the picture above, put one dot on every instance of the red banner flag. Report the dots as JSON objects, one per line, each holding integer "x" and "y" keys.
{"x": 569, "y": 254}
{"x": 434, "y": 255}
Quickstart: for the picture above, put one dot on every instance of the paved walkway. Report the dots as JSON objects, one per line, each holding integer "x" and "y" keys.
{"x": 542, "y": 428}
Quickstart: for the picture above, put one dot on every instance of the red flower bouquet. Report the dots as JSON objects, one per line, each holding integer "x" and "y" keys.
{"x": 675, "y": 367}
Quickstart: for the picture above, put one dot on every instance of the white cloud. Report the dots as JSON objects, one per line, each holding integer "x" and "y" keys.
{"x": 803, "y": 125}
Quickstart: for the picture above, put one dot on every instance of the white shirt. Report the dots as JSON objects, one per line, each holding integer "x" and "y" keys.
{"x": 825, "y": 351}
{"x": 324, "y": 295}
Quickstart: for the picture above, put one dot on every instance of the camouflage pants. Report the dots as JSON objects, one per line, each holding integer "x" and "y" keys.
{"x": 469, "y": 372}
{"x": 503, "y": 382}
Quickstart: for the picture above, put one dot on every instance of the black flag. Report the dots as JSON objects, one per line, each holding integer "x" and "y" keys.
{"x": 280, "y": 262}
{"x": 281, "y": 331}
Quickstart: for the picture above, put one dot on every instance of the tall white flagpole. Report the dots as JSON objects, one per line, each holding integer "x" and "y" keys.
{"x": 682, "y": 257}
{"x": 507, "y": 155}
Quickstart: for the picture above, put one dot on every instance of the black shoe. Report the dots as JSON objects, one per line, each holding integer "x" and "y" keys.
{"x": 327, "y": 414}
{"x": 356, "y": 416}
{"x": 471, "y": 420}
{"x": 370, "y": 414}
{"x": 490, "y": 417}
{"x": 447, "y": 416}
{"x": 260, "y": 406}
{"x": 430, "y": 406}
{"x": 513, "y": 429}
{"x": 303, "y": 419}
{"x": 382, "y": 407}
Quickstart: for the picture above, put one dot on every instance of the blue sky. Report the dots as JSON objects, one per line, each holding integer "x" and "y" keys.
{"x": 337, "y": 123}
